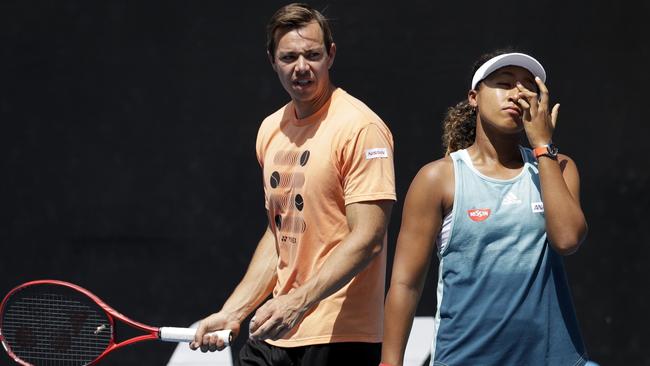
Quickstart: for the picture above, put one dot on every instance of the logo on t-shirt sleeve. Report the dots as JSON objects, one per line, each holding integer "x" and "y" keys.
{"x": 380, "y": 152}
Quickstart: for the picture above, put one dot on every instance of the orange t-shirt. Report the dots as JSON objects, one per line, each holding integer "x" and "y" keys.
{"x": 312, "y": 169}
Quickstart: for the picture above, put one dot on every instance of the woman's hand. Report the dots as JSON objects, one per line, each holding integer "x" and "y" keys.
{"x": 539, "y": 124}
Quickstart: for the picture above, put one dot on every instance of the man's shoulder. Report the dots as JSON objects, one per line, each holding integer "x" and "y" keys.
{"x": 276, "y": 117}
{"x": 354, "y": 112}
{"x": 350, "y": 104}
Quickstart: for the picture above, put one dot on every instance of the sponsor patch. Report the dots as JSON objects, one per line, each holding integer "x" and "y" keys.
{"x": 537, "y": 207}
{"x": 479, "y": 214}
{"x": 380, "y": 152}
{"x": 510, "y": 199}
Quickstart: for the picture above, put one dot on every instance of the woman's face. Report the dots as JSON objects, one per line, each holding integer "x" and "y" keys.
{"x": 496, "y": 98}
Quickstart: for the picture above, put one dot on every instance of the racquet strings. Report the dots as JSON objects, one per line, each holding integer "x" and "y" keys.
{"x": 54, "y": 325}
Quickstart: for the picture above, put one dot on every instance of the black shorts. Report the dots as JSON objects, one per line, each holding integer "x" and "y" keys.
{"x": 259, "y": 353}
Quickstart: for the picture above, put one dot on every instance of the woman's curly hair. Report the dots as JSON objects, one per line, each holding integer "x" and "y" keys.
{"x": 459, "y": 127}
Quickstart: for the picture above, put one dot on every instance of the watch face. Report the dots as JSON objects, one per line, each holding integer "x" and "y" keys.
{"x": 552, "y": 149}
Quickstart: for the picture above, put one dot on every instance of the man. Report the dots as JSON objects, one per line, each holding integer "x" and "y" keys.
{"x": 329, "y": 186}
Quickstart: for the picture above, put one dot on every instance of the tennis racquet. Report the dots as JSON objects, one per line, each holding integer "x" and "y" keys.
{"x": 49, "y": 322}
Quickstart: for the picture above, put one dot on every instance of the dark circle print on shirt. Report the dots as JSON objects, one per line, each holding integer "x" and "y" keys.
{"x": 278, "y": 222}
{"x": 299, "y": 202}
{"x": 304, "y": 158}
{"x": 275, "y": 179}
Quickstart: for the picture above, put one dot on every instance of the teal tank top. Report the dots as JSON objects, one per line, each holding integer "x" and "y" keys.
{"x": 502, "y": 290}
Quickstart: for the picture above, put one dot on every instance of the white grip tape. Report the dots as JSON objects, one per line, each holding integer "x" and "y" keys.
{"x": 173, "y": 334}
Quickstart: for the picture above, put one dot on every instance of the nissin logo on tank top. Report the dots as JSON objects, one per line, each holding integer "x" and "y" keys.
{"x": 479, "y": 214}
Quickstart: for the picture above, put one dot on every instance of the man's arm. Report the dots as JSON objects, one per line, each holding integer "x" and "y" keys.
{"x": 367, "y": 222}
{"x": 256, "y": 286}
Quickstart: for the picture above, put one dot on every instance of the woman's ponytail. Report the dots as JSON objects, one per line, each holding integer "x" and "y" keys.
{"x": 459, "y": 127}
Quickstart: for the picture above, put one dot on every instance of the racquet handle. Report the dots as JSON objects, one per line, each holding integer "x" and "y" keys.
{"x": 173, "y": 334}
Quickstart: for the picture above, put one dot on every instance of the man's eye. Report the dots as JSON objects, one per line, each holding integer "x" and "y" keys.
{"x": 287, "y": 58}
{"x": 313, "y": 55}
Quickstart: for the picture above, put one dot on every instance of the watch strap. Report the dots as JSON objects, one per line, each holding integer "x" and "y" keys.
{"x": 549, "y": 150}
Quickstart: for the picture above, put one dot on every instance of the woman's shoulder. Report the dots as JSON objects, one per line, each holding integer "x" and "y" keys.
{"x": 433, "y": 185}
{"x": 437, "y": 169}
{"x": 435, "y": 175}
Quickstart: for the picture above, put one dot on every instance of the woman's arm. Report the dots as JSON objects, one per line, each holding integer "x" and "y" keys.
{"x": 566, "y": 226}
{"x": 424, "y": 206}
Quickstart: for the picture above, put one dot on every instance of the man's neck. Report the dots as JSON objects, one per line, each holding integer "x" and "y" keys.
{"x": 306, "y": 109}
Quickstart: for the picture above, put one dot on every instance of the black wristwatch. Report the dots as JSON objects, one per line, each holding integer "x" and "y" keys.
{"x": 549, "y": 150}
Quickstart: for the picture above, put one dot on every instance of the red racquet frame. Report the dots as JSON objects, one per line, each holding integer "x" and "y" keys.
{"x": 151, "y": 333}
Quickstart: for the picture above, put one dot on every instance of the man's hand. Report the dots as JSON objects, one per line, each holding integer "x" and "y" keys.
{"x": 214, "y": 322}
{"x": 277, "y": 317}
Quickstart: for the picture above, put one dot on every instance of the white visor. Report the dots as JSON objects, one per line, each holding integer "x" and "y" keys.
{"x": 509, "y": 59}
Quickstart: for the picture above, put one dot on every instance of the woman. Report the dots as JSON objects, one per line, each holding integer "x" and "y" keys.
{"x": 500, "y": 217}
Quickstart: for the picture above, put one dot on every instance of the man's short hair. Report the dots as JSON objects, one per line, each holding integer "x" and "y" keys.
{"x": 296, "y": 15}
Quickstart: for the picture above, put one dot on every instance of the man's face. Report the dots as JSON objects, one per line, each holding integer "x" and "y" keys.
{"x": 302, "y": 63}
